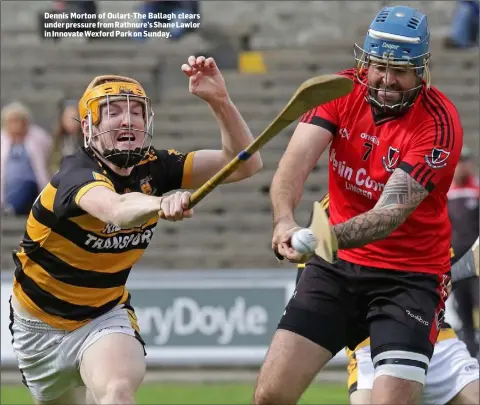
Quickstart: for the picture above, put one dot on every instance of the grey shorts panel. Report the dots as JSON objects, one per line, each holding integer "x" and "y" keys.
{"x": 49, "y": 358}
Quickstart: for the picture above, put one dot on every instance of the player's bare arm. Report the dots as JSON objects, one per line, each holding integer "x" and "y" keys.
{"x": 133, "y": 209}
{"x": 402, "y": 194}
{"x": 207, "y": 82}
{"x": 306, "y": 145}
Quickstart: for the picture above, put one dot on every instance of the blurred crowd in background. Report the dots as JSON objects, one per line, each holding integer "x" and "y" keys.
{"x": 31, "y": 154}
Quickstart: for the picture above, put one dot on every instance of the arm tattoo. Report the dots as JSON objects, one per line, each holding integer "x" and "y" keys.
{"x": 402, "y": 194}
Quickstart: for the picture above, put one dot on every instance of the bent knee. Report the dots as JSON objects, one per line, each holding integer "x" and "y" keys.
{"x": 119, "y": 392}
{"x": 270, "y": 396}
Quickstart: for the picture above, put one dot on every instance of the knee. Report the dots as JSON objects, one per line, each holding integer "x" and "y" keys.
{"x": 119, "y": 392}
{"x": 268, "y": 396}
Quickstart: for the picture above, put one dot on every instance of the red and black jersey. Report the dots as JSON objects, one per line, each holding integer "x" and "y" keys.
{"x": 425, "y": 142}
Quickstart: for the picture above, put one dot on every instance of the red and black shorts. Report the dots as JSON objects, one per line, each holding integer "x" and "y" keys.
{"x": 341, "y": 305}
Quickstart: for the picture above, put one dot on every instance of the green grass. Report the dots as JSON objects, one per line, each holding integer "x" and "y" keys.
{"x": 188, "y": 393}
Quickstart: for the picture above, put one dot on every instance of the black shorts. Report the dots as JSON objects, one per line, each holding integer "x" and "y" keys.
{"x": 343, "y": 304}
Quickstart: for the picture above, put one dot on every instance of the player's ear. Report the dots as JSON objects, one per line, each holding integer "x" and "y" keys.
{"x": 84, "y": 124}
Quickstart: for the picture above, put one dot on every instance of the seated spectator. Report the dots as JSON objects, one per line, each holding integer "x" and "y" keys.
{"x": 25, "y": 149}
{"x": 167, "y": 7}
{"x": 67, "y": 135}
{"x": 464, "y": 28}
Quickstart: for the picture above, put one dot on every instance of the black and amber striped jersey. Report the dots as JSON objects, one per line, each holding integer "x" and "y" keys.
{"x": 71, "y": 267}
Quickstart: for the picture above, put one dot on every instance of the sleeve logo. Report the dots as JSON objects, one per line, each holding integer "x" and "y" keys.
{"x": 391, "y": 160}
{"x": 437, "y": 158}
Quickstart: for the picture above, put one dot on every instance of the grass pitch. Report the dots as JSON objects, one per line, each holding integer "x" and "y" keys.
{"x": 191, "y": 393}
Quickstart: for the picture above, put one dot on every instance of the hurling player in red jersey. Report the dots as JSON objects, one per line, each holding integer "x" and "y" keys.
{"x": 394, "y": 144}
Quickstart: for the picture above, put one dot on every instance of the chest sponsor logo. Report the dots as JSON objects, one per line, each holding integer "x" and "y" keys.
{"x": 437, "y": 158}
{"x": 356, "y": 180}
{"x": 370, "y": 138}
{"x": 391, "y": 160}
{"x": 140, "y": 238}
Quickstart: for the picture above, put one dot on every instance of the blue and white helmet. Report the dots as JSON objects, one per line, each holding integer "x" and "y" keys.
{"x": 398, "y": 36}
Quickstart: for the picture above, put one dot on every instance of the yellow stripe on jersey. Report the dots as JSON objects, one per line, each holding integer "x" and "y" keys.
{"x": 352, "y": 370}
{"x": 325, "y": 201}
{"x": 133, "y": 320}
{"x": 188, "y": 171}
{"x": 48, "y": 197}
{"x": 446, "y": 333}
{"x": 89, "y": 186}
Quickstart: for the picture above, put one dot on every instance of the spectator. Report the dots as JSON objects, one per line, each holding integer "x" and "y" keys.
{"x": 463, "y": 207}
{"x": 25, "y": 149}
{"x": 464, "y": 28}
{"x": 67, "y": 135}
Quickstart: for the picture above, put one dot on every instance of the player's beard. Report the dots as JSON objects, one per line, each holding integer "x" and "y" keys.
{"x": 392, "y": 101}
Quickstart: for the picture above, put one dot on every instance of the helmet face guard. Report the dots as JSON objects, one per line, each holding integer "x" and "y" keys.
{"x": 98, "y": 97}
{"x": 398, "y": 39}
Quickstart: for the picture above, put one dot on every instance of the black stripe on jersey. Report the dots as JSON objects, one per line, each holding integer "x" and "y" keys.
{"x": 428, "y": 173}
{"x": 54, "y": 306}
{"x": 450, "y": 126}
{"x": 429, "y": 178}
{"x": 67, "y": 274}
{"x": 322, "y": 122}
{"x": 44, "y": 216}
{"x": 312, "y": 114}
{"x": 403, "y": 362}
{"x": 441, "y": 118}
{"x": 416, "y": 171}
{"x": 308, "y": 115}
{"x": 428, "y": 109}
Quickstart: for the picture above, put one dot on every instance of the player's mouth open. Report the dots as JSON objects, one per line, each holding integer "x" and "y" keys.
{"x": 126, "y": 137}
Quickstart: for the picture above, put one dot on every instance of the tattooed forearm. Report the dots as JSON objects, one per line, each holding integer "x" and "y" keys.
{"x": 402, "y": 194}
